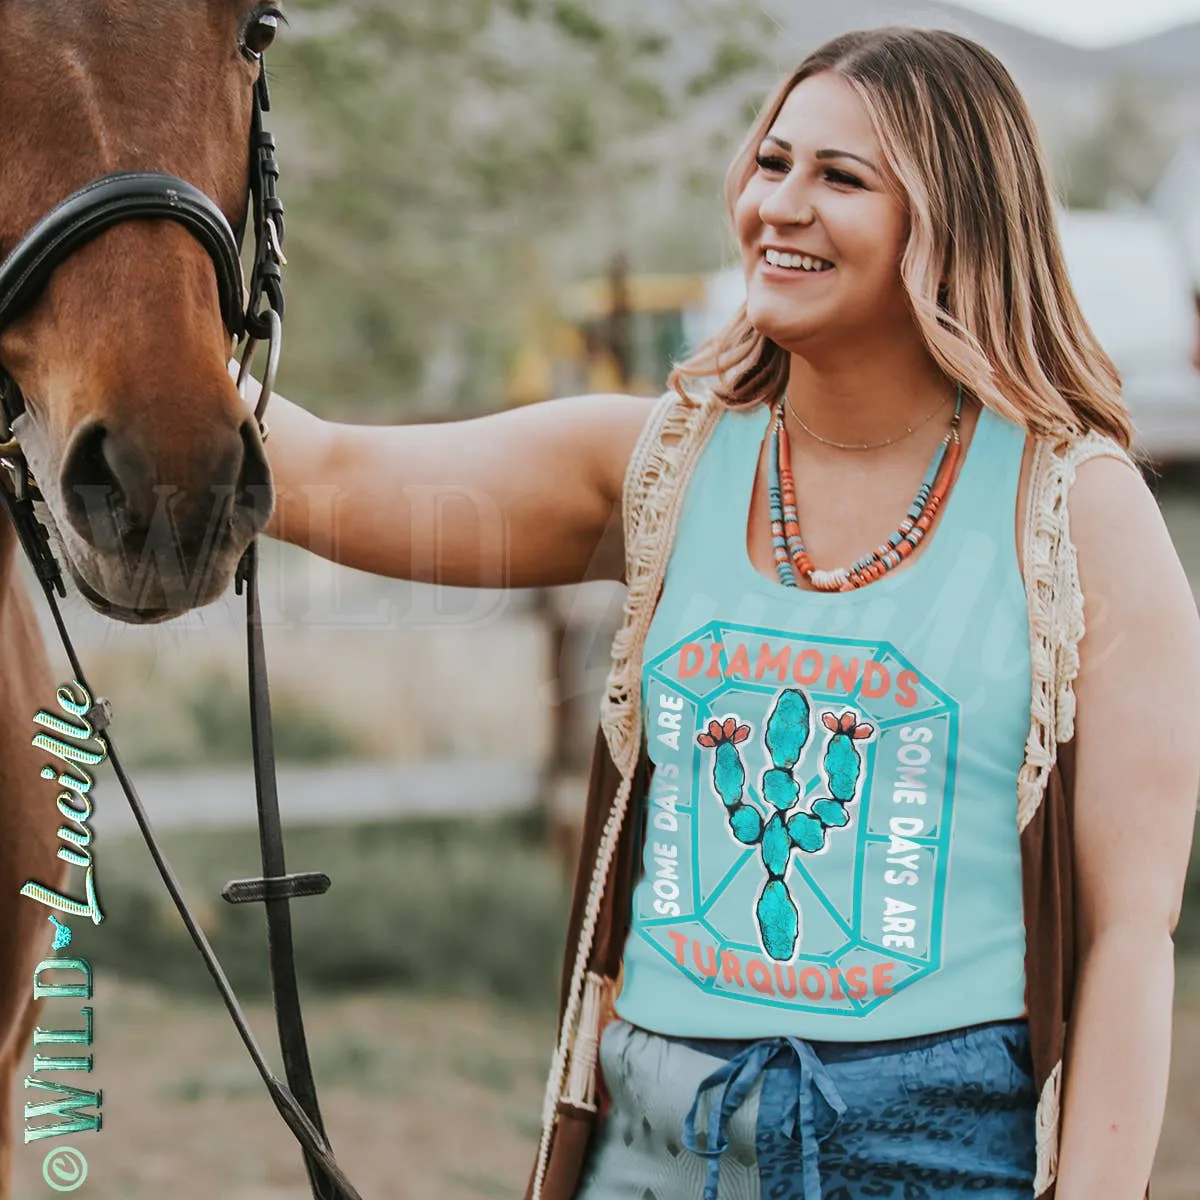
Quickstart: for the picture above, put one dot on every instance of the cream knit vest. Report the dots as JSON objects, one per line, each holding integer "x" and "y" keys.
{"x": 655, "y": 482}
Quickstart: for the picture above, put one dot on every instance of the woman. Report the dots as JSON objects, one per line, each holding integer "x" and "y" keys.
{"x": 865, "y": 777}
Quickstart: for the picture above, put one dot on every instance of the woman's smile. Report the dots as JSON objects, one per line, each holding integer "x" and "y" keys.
{"x": 793, "y": 266}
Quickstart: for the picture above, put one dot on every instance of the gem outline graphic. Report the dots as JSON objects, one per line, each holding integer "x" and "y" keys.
{"x": 702, "y": 703}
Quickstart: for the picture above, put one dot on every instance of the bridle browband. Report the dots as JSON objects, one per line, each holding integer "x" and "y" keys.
{"x": 257, "y": 317}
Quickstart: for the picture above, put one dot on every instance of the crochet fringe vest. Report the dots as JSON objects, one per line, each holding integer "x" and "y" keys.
{"x": 659, "y": 469}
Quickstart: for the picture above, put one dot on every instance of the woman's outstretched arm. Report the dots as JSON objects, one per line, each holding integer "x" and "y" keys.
{"x": 528, "y": 497}
{"x": 1138, "y": 771}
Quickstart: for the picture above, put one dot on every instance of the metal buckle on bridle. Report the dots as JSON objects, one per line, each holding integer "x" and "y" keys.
{"x": 13, "y": 461}
{"x": 274, "y": 346}
{"x": 10, "y": 448}
{"x": 31, "y": 533}
{"x": 276, "y": 245}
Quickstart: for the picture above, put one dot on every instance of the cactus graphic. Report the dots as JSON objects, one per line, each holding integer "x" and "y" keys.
{"x": 786, "y": 825}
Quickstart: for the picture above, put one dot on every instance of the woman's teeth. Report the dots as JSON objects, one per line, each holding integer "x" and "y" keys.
{"x": 796, "y": 262}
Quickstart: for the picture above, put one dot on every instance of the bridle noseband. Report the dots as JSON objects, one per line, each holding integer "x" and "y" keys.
{"x": 111, "y": 201}
{"x": 153, "y": 195}
{"x": 256, "y": 317}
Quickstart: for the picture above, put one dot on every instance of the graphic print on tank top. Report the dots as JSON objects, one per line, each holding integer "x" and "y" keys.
{"x": 799, "y": 817}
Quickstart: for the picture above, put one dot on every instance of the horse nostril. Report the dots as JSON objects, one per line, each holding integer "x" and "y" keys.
{"x": 92, "y": 491}
{"x": 113, "y": 502}
{"x": 253, "y": 500}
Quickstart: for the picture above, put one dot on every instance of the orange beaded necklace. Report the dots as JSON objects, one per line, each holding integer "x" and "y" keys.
{"x": 790, "y": 554}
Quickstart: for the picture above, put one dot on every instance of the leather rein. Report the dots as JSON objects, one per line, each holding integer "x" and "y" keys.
{"x": 84, "y": 215}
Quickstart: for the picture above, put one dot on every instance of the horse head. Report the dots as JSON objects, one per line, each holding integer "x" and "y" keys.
{"x": 151, "y": 466}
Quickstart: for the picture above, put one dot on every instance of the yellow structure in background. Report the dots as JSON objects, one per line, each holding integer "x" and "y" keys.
{"x": 619, "y": 334}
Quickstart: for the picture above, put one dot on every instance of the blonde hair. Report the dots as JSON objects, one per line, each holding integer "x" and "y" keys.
{"x": 983, "y": 268}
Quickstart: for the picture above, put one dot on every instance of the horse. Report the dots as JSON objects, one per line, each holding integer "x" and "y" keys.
{"x": 151, "y": 466}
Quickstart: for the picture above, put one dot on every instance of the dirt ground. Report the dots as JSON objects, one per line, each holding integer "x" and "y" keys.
{"x": 421, "y": 1098}
{"x": 424, "y": 1099}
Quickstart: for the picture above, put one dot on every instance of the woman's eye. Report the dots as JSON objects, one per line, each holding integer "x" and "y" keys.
{"x": 259, "y": 35}
{"x": 768, "y": 163}
{"x": 843, "y": 177}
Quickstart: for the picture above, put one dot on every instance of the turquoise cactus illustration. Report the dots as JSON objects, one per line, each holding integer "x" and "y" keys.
{"x": 785, "y": 826}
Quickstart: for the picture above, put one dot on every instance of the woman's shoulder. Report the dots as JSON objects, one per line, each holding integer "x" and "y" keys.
{"x": 1129, "y": 572}
{"x": 1116, "y": 526}
{"x": 1085, "y": 492}
{"x": 1065, "y": 452}
{"x": 1056, "y": 466}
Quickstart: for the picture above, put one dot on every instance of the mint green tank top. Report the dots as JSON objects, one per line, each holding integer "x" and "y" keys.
{"x": 831, "y": 844}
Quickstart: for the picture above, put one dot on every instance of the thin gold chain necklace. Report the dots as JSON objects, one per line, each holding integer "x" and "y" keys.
{"x": 791, "y": 556}
{"x": 854, "y": 446}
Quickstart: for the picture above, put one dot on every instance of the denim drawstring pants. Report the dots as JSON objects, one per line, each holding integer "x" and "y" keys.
{"x": 929, "y": 1118}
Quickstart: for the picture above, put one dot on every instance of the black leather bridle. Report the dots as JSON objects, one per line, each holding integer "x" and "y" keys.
{"x": 257, "y": 317}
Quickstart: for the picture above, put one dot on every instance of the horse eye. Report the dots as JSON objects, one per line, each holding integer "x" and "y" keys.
{"x": 259, "y": 35}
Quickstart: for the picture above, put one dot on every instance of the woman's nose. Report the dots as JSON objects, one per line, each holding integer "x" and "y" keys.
{"x": 787, "y": 206}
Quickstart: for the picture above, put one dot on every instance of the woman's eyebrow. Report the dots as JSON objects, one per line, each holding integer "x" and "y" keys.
{"x": 823, "y": 155}
{"x": 858, "y": 158}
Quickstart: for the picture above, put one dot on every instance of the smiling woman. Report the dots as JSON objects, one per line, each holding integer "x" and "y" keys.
{"x": 839, "y": 167}
{"x": 844, "y": 896}
{"x": 906, "y": 297}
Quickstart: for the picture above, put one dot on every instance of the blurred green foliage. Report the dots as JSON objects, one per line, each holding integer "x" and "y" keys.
{"x": 1120, "y": 159}
{"x": 449, "y": 167}
{"x": 208, "y": 723}
{"x": 732, "y": 57}
{"x": 469, "y": 907}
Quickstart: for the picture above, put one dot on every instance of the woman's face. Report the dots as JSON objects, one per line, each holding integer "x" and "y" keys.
{"x": 820, "y": 191}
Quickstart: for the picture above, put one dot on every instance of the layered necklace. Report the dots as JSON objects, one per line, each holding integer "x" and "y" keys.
{"x": 790, "y": 554}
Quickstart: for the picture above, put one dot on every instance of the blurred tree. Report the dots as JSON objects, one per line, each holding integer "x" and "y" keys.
{"x": 1122, "y": 157}
{"x": 428, "y": 147}
{"x": 732, "y": 59}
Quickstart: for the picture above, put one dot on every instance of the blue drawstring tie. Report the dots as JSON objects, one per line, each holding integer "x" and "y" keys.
{"x": 733, "y": 1082}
